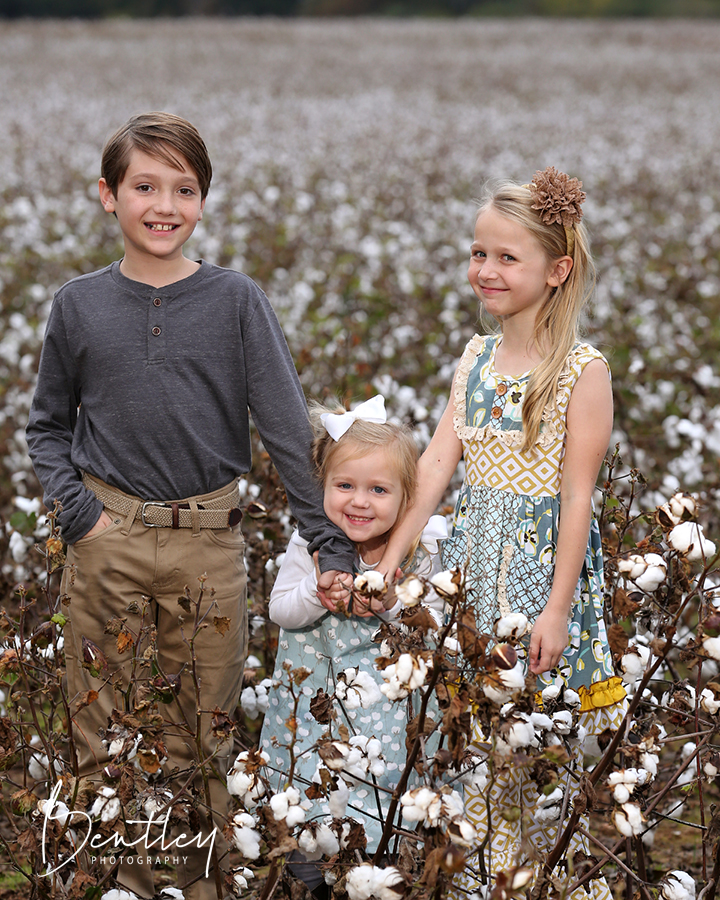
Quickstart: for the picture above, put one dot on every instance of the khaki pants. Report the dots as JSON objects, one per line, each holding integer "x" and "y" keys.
{"x": 115, "y": 568}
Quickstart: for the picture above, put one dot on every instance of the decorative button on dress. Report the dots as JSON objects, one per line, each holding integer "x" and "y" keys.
{"x": 505, "y": 537}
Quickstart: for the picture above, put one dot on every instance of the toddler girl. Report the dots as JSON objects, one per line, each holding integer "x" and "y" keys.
{"x": 367, "y": 468}
{"x": 530, "y": 413}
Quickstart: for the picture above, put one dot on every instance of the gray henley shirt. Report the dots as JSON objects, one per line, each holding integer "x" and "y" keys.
{"x": 149, "y": 389}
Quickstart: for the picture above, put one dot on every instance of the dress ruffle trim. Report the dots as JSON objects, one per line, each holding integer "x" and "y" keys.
{"x": 550, "y": 431}
{"x": 598, "y": 696}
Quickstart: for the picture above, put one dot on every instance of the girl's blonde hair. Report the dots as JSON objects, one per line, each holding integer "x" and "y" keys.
{"x": 366, "y": 437}
{"x": 557, "y": 326}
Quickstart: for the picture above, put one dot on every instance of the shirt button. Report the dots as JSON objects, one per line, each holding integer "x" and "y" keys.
{"x": 496, "y": 412}
{"x": 157, "y": 302}
{"x": 501, "y": 389}
{"x": 157, "y": 330}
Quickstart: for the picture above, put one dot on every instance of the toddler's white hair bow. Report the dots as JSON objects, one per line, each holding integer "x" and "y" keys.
{"x": 372, "y": 410}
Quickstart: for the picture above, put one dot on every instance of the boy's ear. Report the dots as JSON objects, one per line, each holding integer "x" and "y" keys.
{"x": 202, "y": 209}
{"x": 106, "y": 196}
{"x": 560, "y": 271}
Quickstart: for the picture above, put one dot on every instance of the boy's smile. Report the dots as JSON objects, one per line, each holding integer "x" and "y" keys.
{"x": 157, "y": 207}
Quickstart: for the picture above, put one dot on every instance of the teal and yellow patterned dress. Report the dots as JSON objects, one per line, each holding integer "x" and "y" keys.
{"x": 505, "y": 536}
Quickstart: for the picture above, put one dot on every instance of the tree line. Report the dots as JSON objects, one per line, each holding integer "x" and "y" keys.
{"x": 172, "y": 8}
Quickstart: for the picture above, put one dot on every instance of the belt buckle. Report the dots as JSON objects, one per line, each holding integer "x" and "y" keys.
{"x": 142, "y": 512}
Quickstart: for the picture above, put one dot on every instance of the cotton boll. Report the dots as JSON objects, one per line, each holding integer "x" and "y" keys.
{"x": 711, "y": 645}
{"x": 106, "y": 805}
{"x": 357, "y": 689}
{"x": 359, "y": 883}
{"x": 421, "y": 805}
{"x": 551, "y": 692}
{"x": 410, "y": 592}
{"x": 369, "y": 581}
{"x": 444, "y": 582}
{"x": 118, "y": 894}
{"x": 338, "y": 800}
{"x": 677, "y": 885}
{"x": 679, "y": 508}
{"x": 654, "y": 574}
{"x": 541, "y": 722}
{"x": 241, "y": 877}
{"x": 628, "y": 820}
{"x": 688, "y": 538}
{"x": 462, "y": 832}
{"x": 403, "y": 677}
{"x": 571, "y": 698}
{"x": 54, "y": 810}
{"x": 634, "y": 662}
{"x": 327, "y": 841}
{"x": 244, "y": 836}
{"x": 548, "y": 808}
{"x": 562, "y": 721}
{"x": 315, "y": 842}
{"x": 512, "y": 626}
{"x": 501, "y": 685}
{"x": 520, "y": 734}
{"x": 475, "y": 775}
{"x": 650, "y": 761}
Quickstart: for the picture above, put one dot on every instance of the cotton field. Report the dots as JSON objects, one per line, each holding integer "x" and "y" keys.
{"x": 348, "y": 157}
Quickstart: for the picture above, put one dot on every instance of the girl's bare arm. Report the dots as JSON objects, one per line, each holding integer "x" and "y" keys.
{"x": 435, "y": 469}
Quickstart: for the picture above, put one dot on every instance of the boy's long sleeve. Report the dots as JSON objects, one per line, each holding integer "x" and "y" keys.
{"x": 149, "y": 388}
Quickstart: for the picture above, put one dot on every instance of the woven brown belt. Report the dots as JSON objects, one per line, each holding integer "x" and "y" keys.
{"x": 211, "y": 512}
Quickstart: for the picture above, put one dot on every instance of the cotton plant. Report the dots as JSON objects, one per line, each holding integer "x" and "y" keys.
{"x": 240, "y": 877}
{"x": 369, "y": 882}
{"x": 403, "y": 677}
{"x": 244, "y": 779}
{"x": 647, "y": 572}
{"x": 689, "y": 539}
{"x": 634, "y": 662}
{"x": 317, "y": 840}
{"x": 443, "y": 810}
{"x": 356, "y": 688}
{"x": 254, "y": 699}
{"x": 677, "y": 885}
{"x": 107, "y": 804}
{"x": 244, "y": 836}
{"x": 357, "y": 759}
{"x": 119, "y": 894}
{"x": 286, "y": 806}
{"x": 629, "y": 820}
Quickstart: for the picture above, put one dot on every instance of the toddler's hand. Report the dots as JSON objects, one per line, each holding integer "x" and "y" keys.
{"x": 333, "y": 586}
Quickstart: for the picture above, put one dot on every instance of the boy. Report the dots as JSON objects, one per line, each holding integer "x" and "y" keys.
{"x": 139, "y": 427}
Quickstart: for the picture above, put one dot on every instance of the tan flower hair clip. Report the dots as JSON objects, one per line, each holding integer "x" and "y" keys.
{"x": 558, "y": 198}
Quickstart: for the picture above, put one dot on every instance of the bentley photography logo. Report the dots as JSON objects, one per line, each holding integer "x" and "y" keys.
{"x": 145, "y": 849}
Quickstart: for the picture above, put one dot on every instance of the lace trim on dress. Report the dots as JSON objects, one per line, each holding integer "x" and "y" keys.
{"x": 550, "y": 430}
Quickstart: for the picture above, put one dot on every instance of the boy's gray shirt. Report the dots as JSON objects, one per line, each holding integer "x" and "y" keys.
{"x": 149, "y": 389}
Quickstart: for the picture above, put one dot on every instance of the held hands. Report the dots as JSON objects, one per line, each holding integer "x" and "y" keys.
{"x": 334, "y": 587}
{"x": 548, "y": 640}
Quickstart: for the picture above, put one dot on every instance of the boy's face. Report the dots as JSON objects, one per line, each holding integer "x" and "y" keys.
{"x": 157, "y": 206}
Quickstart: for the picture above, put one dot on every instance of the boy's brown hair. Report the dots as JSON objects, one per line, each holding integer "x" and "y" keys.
{"x": 161, "y": 135}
